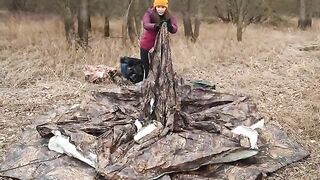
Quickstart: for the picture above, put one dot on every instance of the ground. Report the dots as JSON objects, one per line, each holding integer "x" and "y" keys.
{"x": 38, "y": 72}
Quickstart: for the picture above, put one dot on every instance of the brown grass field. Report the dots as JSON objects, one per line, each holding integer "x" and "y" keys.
{"x": 38, "y": 73}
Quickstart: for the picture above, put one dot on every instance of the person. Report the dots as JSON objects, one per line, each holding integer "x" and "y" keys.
{"x": 152, "y": 22}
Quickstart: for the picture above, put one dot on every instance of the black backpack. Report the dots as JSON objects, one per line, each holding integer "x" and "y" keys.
{"x": 132, "y": 69}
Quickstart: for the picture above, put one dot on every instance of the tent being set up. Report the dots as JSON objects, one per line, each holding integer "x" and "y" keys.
{"x": 163, "y": 129}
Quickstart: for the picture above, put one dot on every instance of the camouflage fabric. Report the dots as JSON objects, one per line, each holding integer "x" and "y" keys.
{"x": 104, "y": 74}
{"x": 195, "y": 143}
{"x": 161, "y": 86}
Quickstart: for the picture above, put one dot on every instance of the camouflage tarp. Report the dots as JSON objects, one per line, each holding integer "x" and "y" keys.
{"x": 195, "y": 141}
{"x": 104, "y": 74}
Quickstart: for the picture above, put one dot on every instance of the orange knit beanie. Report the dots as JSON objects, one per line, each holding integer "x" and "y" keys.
{"x": 164, "y": 3}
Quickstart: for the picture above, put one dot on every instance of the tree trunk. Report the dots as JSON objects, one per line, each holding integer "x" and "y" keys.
{"x": 89, "y": 20}
{"x": 106, "y": 26}
{"x": 305, "y": 14}
{"x": 124, "y": 30}
{"x": 309, "y": 13}
{"x": 131, "y": 22}
{"x": 196, "y": 29}
{"x": 302, "y": 14}
{"x": 197, "y": 22}
{"x": 128, "y": 24}
{"x": 83, "y": 23}
{"x": 240, "y": 23}
{"x": 107, "y": 6}
{"x": 137, "y": 23}
{"x": 138, "y": 16}
{"x": 131, "y": 30}
{"x": 187, "y": 21}
{"x": 18, "y": 5}
{"x": 68, "y": 22}
{"x": 187, "y": 25}
{"x": 239, "y": 32}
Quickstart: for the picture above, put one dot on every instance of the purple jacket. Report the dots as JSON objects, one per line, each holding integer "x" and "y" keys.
{"x": 149, "y": 35}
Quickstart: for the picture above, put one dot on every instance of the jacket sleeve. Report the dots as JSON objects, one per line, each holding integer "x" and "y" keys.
{"x": 174, "y": 24}
{"x": 147, "y": 25}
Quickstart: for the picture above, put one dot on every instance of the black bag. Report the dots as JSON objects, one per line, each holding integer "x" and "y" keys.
{"x": 132, "y": 69}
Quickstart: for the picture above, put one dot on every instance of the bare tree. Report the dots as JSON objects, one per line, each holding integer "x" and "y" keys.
{"x": 132, "y": 32}
{"x": 138, "y": 13}
{"x": 197, "y": 23}
{"x": 83, "y": 23}
{"x": 193, "y": 34}
{"x": 125, "y": 23}
{"x": 187, "y": 20}
{"x": 89, "y": 20}
{"x": 243, "y": 12}
{"x": 132, "y": 21}
{"x": 68, "y": 19}
{"x": 223, "y": 10}
{"x": 305, "y": 14}
{"x": 106, "y": 5}
{"x": 241, "y": 7}
{"x": 18, "y": 5}
{"x": 106, "y": 26}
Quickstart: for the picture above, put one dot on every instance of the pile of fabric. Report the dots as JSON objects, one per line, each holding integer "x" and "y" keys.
{"x": 104, "y": 74}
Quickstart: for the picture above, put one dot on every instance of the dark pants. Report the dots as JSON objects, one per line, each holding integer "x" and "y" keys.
{"x": 144, "y": 54}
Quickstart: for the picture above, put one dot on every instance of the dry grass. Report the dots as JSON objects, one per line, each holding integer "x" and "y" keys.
{"x": 38, "y": 72}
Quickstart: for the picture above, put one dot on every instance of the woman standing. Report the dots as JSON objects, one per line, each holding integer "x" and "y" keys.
{"x": 152, "y": 22}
